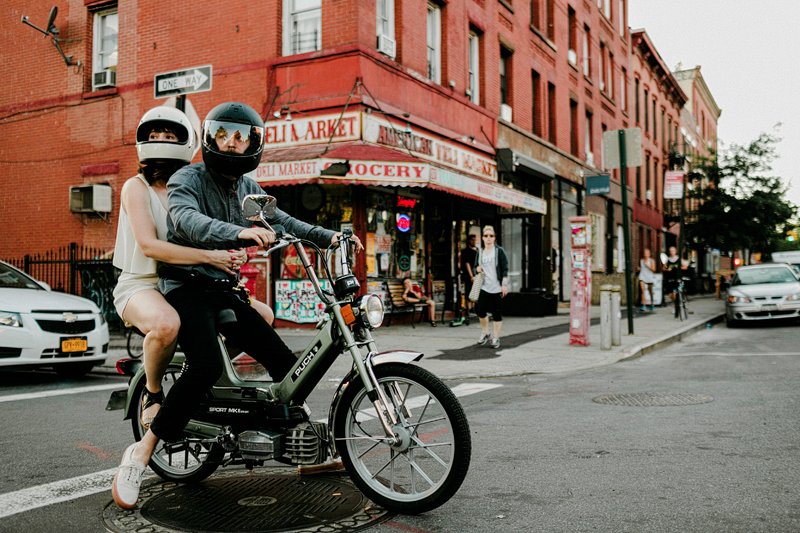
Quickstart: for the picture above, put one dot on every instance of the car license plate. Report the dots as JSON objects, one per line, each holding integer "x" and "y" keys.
{"x": 74, "y": 344}
{"x": 769, "y": 307}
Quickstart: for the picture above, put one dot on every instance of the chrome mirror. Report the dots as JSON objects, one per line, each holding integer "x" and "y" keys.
{"x": 255, "y": 207}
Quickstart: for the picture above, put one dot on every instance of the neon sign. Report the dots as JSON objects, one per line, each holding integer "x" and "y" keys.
{"x": 403, "y": 223}
{"x": 408, "y": 203}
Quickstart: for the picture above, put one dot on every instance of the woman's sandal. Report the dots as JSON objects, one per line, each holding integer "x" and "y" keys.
{"x": 149, "y": 399}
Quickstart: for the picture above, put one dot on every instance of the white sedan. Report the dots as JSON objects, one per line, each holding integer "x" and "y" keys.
{"x": 763, "y": 292}
{"x": 42, "y": 328}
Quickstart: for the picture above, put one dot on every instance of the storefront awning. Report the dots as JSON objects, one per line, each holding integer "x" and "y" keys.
{"x": 359, "y": 163}
{"x": 510, "y": 161}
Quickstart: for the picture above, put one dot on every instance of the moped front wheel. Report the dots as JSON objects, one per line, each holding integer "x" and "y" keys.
{"x": 185, "y": 461}
{"x": 428, "y": 464}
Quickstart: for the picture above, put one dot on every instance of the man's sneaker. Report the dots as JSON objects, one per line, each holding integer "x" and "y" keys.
{"x": 128, "y": 479}
{"x": 494, "y": 343}
{"x": 484, "y": 339}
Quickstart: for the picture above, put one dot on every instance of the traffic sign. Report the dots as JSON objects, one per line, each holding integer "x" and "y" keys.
{"x": 633, "y": 148}
{"x": 184, "y": 81}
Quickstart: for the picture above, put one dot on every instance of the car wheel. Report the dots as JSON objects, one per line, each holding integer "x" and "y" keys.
{"x": 731, "y": 323}
{"x": 74, "y": 370}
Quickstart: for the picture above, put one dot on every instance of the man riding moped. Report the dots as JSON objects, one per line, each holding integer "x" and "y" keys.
{"x": 204, "y": 208}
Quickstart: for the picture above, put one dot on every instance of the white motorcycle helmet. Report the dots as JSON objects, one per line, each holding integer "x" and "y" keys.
{"x": 170, "y": 119}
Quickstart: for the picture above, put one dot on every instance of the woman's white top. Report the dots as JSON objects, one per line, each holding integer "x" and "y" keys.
{"x": 646, "y": 275}
{"x": 127, "y": 255}
{"x": 490, "y": 282}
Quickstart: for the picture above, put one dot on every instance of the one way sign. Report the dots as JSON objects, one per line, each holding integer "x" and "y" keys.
{"x": 184, "y": 81}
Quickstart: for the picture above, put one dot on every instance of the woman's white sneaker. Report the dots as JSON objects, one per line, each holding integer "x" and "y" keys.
{"x": 128, "y": 480}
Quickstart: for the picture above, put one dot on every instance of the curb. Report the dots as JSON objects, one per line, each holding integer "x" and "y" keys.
{"x": 643, "y": 349}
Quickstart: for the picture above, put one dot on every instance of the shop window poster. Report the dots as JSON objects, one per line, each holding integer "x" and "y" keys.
{"x": 297, "y": 301}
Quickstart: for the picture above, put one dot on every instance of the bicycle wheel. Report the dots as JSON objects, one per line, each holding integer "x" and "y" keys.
{"x": 683, "y": 310}
{"x": 135, "y": 343}
{"x": 428, "y": 465}
{"x": 183, "y": 461}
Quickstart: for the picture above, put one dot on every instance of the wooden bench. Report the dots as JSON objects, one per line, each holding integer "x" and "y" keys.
{"x": 395, "y": 290}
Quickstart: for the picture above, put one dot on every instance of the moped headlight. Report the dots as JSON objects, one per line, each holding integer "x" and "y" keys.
{"x": 371, "y": 307}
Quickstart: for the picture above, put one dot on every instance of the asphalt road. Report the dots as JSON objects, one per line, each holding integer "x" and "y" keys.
{"x": 546, "y": 456}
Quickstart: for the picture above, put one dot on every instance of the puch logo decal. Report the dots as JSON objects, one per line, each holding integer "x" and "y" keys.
{"x": 306, "y": 360}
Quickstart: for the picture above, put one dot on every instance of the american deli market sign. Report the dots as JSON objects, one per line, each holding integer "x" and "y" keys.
{"x": 324, "y": 128}
{"x": 443, "y": 153}
{"x": 312, "y": 130}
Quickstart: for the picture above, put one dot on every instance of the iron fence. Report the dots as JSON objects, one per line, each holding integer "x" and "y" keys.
{"x": 76, "y": 269}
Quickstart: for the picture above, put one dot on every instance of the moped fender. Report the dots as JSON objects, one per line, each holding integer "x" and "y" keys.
{"x": 138, "y": 376}
{"x": 393, "y": 356}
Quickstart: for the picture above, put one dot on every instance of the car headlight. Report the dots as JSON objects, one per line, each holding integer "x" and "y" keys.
{"x": 737, "y": 299}
{"x": 7, "y": 318}
{"x": 793, "y": 297}
{"x": 371, "y": 310}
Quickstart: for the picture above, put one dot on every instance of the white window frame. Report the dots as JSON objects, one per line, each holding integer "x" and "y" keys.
{"x": 434, "y": 42}
{"x": 103, "y": 59}
{"x": 474, "y": 61}
{"x": 384, "y": 25}
{"x": 293, "y": 16}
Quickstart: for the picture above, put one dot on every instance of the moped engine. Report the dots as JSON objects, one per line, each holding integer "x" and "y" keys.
{"x": 260, "y": 445}
{"x": 306, "y": 444}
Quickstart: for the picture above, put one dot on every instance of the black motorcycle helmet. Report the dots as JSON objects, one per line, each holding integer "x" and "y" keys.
{"x": 233, "y": 139}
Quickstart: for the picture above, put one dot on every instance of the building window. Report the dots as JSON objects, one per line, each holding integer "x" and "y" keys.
{"x": 474, "y": 67}
{"x": 610, "y": 75}
{"x": 636, "y": 96}
{"x": 536, "y": 97}
{"x": 639, "y": 182}
{"x": 654, "y": 120}
{"x": 646, "y": 114}
{"x": 104, "y": 48}
{"x": 434, "y": 43}
{"x": 587, "y": 58}
{"x": 587, "y": 139}
{"x": 536, "y": 15}
{"x": 663, "y": 125}
{"x": 551, "y": 113}
{"x": 607, "y": 8}
{"x": 647, "y": 193}
{"x": 302, "y": 30}
{"x": 505, "y": 75}
{"x": 550, "y": 10}
{"x": 572, "y": 53}
{"x": 384, "y": 25}
{"x": 623, "y": 83}
{"x": 573, "y": 127}
{"x": 603, "y": 67}
{"x": 621, "y": 18}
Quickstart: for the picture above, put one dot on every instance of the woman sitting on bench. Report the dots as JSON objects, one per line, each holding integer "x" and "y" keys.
{"x": 413, "y": 295}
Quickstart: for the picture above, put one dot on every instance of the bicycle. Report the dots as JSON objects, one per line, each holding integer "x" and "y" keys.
{"x": 680, "y": 300}
{"x": 134, "y": 342}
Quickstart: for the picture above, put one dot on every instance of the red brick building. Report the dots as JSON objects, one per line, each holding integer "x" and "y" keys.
{"x": 442, "y": 116}
{"x": 658, "y": 101}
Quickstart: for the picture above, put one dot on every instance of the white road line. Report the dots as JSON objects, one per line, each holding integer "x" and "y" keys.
{"x": 71, "y": 489}
{"x": 60, "y": 392}
{"x": 56, "y": 492}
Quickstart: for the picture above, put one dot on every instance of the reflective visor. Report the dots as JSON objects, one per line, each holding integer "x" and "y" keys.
{"x": 221, "y": 136}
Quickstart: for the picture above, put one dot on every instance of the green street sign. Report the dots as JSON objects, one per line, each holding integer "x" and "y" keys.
{"x": 596, "y": 185}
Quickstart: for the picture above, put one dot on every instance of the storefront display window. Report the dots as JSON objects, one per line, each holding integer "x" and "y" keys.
{"x": 394, "y": 244}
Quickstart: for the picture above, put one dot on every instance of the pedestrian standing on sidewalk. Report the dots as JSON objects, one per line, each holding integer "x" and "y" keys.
{"x": 469, "y": 257}
{"x": 672, "y": 270}
{"x": 647, "y": 274}
{"x": 493, "y": 262}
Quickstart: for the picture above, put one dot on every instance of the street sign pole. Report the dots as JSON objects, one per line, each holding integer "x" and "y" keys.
{"x": 681, "y": 241}
{"x": 626, "y": 228}
{"x": 180, "y": 102}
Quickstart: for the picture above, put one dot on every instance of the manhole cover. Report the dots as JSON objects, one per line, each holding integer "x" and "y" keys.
{"x": 653, "y": 399}
{"x": 272, "y": 499}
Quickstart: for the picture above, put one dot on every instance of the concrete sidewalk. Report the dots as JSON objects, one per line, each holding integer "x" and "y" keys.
{"x": 528, "y": 345}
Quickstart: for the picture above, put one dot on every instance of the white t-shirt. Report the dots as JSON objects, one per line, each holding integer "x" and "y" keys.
{"x": 490, "y": 282}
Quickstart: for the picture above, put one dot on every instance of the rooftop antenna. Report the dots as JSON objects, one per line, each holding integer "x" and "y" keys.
{"x": 52, "y": 30}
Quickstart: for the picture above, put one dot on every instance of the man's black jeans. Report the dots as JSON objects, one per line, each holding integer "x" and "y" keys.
{"x": 198, "y": 341}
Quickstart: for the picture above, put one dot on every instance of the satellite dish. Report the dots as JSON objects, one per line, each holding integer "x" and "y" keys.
{"x": 51, "y": 27}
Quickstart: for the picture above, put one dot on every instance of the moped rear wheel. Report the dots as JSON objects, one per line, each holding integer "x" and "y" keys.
{"x": 185, "y": 461}
{"x": 427, "y": 467}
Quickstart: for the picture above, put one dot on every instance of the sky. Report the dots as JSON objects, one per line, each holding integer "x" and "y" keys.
{"x": 750, "y": 58}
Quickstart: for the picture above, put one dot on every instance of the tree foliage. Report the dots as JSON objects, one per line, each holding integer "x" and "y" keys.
{"x": 740, "y": 204}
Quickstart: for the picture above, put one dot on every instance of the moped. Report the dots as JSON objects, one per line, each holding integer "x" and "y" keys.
{"x": 400, "y": 432}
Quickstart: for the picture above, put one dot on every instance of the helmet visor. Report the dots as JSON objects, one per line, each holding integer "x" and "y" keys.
{"x": 232, "y": 138}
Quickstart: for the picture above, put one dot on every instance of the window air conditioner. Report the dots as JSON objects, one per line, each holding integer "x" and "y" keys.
{"x": 506, "y": 112}
{"x": 104, "y": 78}
{"x": 386, "y": 45}
{"x": 94, "y": 198}
{"x": 648, "y": 194}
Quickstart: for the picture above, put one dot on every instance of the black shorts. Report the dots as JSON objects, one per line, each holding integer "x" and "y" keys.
{"x": 489, "y": 302}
